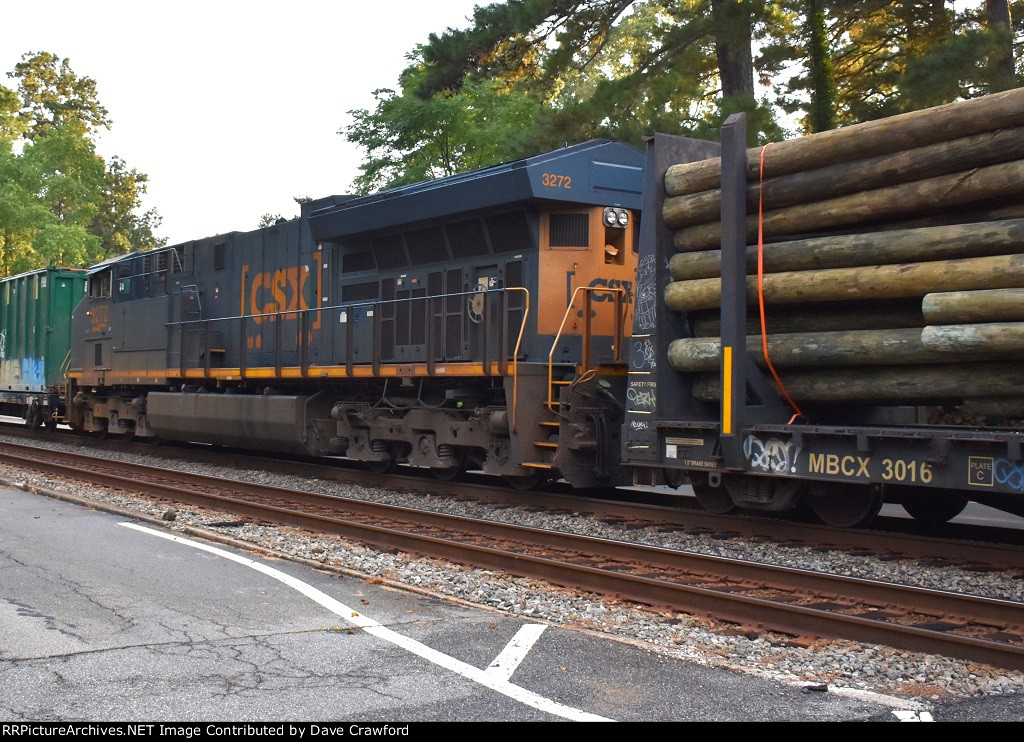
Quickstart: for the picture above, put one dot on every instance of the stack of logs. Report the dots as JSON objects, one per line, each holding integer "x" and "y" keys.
{"x": 893, "y": 258}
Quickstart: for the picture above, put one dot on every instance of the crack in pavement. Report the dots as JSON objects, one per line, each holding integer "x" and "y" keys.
{"x": 161, "y": 645}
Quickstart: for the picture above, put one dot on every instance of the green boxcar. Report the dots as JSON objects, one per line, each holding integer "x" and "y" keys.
{"x": 35, "y": 337}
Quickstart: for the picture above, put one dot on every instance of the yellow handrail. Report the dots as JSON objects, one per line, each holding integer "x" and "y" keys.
{"x": 586, "y": 340}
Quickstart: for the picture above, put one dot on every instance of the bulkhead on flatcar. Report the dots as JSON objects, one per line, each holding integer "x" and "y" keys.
{"x": 440, "y": 324}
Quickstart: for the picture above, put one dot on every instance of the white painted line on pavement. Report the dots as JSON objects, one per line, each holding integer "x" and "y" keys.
{"x": 905, "y": 715}
{"x": 482, "y": 677}
{"x": 516, "y": 650}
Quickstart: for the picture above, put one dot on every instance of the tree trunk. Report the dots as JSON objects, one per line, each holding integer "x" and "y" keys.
{"x": 813, "y": 349}
{"x": 733, "y": 47}
{"x": 887, "y": 384}
{"x": 953, "y": 156}
{"x": 869, "y": 282}
{"x": 871, "y": 248}
{"x": 821, "y": 114}
{"x": 989, "y": 337}
{"x": 1000, "y": 61}
{"x": 905, "y": 131}
{"x": 958, "y": 307}
{"x": 931, "y": 194}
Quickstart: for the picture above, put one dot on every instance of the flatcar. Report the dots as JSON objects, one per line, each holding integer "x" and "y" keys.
{"x": 732, "y": 433}
{"x": 476, "y": 321}
{"x": 35, "y": 337}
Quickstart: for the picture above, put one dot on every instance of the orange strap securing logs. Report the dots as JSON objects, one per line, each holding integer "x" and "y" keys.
{"x": 760, "y": 291}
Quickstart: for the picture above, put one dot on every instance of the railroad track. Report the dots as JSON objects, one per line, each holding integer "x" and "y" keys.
{"x": 956, "y": 544}
{"x": 780, "y": 599}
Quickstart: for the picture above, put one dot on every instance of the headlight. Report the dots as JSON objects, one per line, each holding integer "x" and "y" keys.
{"x": 610, "y": 218}
{"x": 623, "y": 218}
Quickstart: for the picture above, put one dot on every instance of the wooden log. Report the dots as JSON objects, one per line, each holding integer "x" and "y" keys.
{"x": 1003, "y": 407}
{"x": 989, "y": 211}
{"x": 872, "y": 248}
{"x": 963, "y": 307}
{"x": 900, "y": 280}
{"x": 987, "y": 337}
{"x": 823, "y": 317}
{"x": 941, "y": 192}
{"x": 812, "y": 349}
{"x": 905, "y": 131}
{"x": 861, "y": 175}
{"x": 891, "y": 384}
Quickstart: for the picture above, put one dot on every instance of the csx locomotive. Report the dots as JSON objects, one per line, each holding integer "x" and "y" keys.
{"x": 474, "y": 321}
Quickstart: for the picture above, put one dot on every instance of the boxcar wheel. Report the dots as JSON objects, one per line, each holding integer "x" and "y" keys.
{"x": 843, "y": 505}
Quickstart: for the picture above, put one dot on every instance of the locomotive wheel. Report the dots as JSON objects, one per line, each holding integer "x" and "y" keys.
{"x": 932, "y": 506}
{"x": 526, "y": 481}
{"x": 844, "y": 505}
{"x": 387, "y": 465}
{"x": 448, "y": 473}
{"x": 715, "y": 499}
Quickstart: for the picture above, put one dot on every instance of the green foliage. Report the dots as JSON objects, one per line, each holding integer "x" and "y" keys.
{"x": 530, "y": 75}
{"x": 625, "y": 68}
{"x": 60, "y": 202}
{"x": 409, "y": 138}
{"x": 883, "y": 57}
{"x": 53, "y": 96}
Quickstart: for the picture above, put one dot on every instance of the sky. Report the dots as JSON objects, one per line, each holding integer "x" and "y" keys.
{"x": 231, "y": 108}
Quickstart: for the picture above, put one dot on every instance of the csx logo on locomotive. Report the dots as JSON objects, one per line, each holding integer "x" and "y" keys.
{"x": 280, "y": 290}
{"x": 613, "y": 283}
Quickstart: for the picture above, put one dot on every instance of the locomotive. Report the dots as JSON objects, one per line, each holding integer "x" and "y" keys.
{"x": 475, "y": 321}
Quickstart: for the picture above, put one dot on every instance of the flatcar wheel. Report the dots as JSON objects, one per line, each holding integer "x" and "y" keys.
{"x": 933, "y": 506}
{"x": 526, "y": 481}
{"x": 33, "y": 417}
{"x": 715, "y": 499}
{"x": 51, "y": 424}
{"x": 844, "y": 505}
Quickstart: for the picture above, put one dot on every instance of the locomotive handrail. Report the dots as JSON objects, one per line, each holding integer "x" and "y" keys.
{"x": 585, "y": 354}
